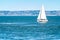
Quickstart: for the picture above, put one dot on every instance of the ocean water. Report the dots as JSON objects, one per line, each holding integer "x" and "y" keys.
{"x": 27, "y": 28}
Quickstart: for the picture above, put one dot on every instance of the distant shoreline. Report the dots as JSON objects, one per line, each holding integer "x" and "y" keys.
{"x": 28, "y": 13}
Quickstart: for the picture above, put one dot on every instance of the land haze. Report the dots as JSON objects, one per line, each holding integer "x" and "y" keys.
{"x": 28, "y": 13}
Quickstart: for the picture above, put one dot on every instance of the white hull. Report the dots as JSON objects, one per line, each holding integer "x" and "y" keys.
{"x": 42, "y": 21}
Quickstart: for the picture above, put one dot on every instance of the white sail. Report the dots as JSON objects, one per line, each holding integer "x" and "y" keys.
{"x": 42, "y": 15}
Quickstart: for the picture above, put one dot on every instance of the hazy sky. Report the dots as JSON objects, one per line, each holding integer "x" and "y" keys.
{"x": 29, "y": 4}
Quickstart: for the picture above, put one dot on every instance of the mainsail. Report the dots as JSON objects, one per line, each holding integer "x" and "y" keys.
{"x": 42, "y": 16}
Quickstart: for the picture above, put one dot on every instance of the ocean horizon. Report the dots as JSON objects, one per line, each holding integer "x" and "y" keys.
{"x": 23, "y": 25}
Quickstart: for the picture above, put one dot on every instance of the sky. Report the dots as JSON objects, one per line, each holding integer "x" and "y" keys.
{"x": 29, "y": 4}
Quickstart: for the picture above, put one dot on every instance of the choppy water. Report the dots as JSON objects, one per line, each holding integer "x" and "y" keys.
{"x": 27, "y": 28}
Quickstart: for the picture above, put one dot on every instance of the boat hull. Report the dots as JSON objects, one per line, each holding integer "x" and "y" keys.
{"x": 42, "y": 21}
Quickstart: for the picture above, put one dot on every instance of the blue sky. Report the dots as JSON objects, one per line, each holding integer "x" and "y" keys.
{"x": 29, "y": 4}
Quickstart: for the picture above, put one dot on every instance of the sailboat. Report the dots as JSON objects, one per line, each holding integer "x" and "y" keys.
{"x": 42, "y": 16}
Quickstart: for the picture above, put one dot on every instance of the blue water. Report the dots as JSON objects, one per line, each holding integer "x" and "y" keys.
{"x": 27, "y": 28}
